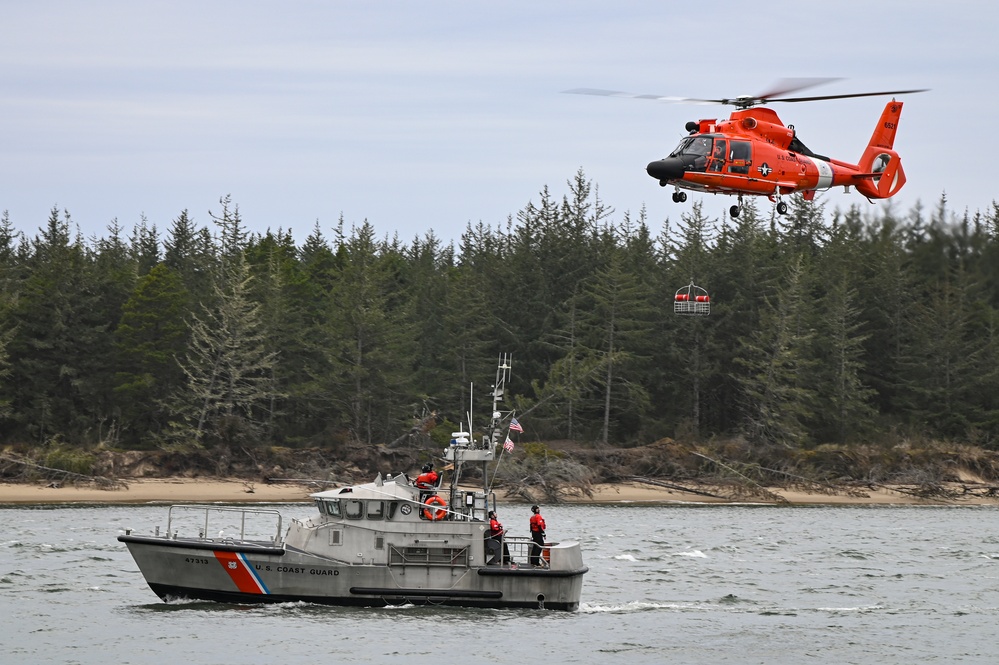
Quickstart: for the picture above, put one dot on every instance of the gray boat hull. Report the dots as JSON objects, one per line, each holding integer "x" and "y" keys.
{"x": 264, "y": 573}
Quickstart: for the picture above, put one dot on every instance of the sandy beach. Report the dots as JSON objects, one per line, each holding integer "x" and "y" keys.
{"x": 187, "y": 490}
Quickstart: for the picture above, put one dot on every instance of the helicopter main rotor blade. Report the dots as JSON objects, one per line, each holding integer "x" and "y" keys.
{"x": 783, "y": 87}
{"x": 630, "y": 95}
{"x": 855, "y": 94}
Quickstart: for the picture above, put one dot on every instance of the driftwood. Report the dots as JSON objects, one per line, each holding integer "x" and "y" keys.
{"x": 749, "y": 487}
{"x": 61, "y": 475}
{"x": 923, "y": 491}
{"x": 674, "y": 486}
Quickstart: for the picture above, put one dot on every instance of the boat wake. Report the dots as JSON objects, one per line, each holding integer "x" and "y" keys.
{"x": 632, "y": 607}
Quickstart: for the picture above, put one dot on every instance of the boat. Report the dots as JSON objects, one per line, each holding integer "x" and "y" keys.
{"x": 386, "y": 542}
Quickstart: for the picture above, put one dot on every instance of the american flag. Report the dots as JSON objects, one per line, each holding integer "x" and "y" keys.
{"x": 515, "y": 426}
{"x": 508, "y": 445}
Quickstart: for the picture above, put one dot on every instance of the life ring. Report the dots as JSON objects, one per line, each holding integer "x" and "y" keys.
{"x": 439, "y": 513}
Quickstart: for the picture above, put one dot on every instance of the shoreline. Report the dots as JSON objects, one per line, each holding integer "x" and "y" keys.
{"x": 188, "y": 490}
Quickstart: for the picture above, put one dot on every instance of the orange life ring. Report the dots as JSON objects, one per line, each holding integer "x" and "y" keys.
{"x": 438, "y": 514}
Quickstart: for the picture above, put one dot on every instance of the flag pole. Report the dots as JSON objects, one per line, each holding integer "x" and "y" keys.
{"x": 507, "y": 446}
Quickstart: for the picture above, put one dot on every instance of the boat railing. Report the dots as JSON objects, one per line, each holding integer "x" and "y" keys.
{"x": 520, "y": 548}
{"x": 251, "y": 524}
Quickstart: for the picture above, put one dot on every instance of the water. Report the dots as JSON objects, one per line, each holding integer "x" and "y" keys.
{"x": 668, "y": 584}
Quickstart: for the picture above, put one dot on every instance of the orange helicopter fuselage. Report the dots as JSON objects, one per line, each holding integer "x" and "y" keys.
{"x": 754, "y": 153}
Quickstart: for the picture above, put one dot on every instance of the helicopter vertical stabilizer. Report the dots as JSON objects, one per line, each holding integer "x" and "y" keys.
{"x": 884, "y": 133}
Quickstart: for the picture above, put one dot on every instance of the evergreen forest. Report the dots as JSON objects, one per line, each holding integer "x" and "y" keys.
{"x": 867, "y": 325}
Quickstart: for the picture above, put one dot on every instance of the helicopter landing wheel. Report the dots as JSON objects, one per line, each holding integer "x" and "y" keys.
{"x": 781, "y": 208}
{"x": 734, "y": 211}
{"x": 679, "y": 197}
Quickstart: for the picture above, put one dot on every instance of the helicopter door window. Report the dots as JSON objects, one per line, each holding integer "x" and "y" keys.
{"x": 718, "y": 156}
{"x": 740, "y": 157}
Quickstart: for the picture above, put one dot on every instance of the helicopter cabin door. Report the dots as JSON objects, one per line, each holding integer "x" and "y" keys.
{"x": 740, "y": 157}
{"x": 718, "y": 156}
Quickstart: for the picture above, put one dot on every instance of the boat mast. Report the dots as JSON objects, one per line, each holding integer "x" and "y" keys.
{"x": 464, "y": 447}
{"x": 496, "y": 421}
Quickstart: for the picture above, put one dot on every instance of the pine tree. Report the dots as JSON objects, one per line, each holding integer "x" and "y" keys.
{"x": 56, "y": 349}
{"x": 229, "y": 367}
{"x": 881, "y": 265}
{"x": 279, "y": 287}
{"x": 570, "y": 376}
{"x": 616, "y": 325}
{"x": 845, "y": 407}
{"x": 776, "y": 404}
{"x": 145, "y": 246}
{"x": 369, "y": 342}
{"x": 190, "y": 253}
{"x": 149, "y": 340}
{"x": 685, "y": 348}
{"x": 939, "y": 374}
{"x": 8, "y": 289}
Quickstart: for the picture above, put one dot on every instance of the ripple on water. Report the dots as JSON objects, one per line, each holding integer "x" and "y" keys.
{"x": 716, "y": 587}
{"x": 630, "y": 607}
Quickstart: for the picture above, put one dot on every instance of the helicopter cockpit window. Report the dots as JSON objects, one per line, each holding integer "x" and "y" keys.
{"x": 694, "y": 151}
{"x": 693, "y": 146}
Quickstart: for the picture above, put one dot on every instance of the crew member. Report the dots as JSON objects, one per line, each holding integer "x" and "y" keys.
{"x": 428, "y": 479}
{"x": 538, "y": 536}
{"x": 496, "y": 532}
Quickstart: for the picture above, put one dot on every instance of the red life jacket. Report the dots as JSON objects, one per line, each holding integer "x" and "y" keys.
{"x": 427, "y": 480}
{"x": 495, "y": 528}
{"x": 537, "y": 522}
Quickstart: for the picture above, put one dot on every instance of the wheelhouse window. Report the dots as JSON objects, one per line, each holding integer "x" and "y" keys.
{"x": 376, "y": 510}
{"x": 329, "y": 507}
{"x": 353, "y": 509}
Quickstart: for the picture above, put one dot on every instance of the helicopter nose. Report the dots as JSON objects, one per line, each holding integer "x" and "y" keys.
{"x": 667, "y": 169}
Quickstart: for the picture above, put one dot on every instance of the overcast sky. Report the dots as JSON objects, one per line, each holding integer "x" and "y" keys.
{"x": 430, "y": 115}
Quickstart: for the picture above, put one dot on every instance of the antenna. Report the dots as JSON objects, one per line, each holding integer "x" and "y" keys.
{"x": 503, "y": 367}
{"x": 463, "y": 446}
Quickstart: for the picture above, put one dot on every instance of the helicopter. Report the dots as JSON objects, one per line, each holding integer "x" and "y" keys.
{"x": 754, "y": 154}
